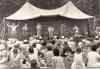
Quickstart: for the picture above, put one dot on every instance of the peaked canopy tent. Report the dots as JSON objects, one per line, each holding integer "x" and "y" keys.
{"x": 73, "y": 12}
{"x": 29, "y": 11}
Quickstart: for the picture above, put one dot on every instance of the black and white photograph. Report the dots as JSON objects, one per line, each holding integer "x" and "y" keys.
{"x": 49, "y": 34}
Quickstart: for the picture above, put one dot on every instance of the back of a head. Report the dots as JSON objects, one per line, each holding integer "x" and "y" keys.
{"x": 44, "y": 43}
{"x": 33, "y": 64}
{"x": 34, "y": 45}
{"x": 78, "y": 50}
{"x": 94, "y": 47}
{"x": 31, "y": 50}
{"x": 56, "y": 52}
{"x": 15, "y": 51}
{"x": 49, "y": 48}
{"x": 53, "y": 42}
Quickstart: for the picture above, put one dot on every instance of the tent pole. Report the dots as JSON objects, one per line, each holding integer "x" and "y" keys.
{"x": 94, "y": 21}
{"x": 88, "y": 27}
{"x": 3, "y": 32}
{"x": 4, "y": 35}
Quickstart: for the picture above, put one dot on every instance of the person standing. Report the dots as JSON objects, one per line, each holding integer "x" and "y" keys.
{"x": 78, "y": 62}
{"x": 93, "y": 57}
{"x": 57, "y": 61}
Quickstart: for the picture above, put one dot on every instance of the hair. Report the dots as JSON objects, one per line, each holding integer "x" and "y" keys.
{"x": 49, "y": 48}
{"x": 78, "y": 50}
{"x": 15, "y": 51}
{"x": 24, "y": 61}
{"x": 66, "y": 49}
{"x": 57, "y": 37}
{"x": 56, "y": 52}
{"x": 31, "y": 50}
{"x": 33, "y": 63}
{"x": 34, "y": 45}
{"x": 53, "y": 42}
{"x": 44, "y": 43}
{"x": 94, "y": 47}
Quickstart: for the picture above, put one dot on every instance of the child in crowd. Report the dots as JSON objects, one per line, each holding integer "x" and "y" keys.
{"x": 57, "y": 61}
{"x": 78, "y": 62}
{"x": 49, "y": 54}
{"x": 68, "y": 57}
{"x": 34, "y": 65}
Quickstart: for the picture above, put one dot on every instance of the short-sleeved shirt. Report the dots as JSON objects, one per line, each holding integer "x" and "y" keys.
{"x": 93, "y": 58}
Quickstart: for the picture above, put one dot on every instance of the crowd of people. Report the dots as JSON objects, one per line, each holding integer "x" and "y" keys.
{"x": 56, "y": 53}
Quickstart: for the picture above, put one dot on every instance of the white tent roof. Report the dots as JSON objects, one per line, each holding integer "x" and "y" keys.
{"x": 29, "y": 11}
{"x": 73, "y": 12}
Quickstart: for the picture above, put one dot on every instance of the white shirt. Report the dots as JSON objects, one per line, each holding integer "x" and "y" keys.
{"x": 35, "y": 53}
{"x": 38, "y": 46}
{"x": 78, "y": 62}
{"x": 58, "y": 62}
{"x": 92, "y": 58}
{"x": 78, "y": 58}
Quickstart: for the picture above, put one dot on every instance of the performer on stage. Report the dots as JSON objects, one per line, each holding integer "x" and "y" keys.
{"x": 25, "y": 28}
{"x": 39, "y": 28}
{"x": 51, "y": 31}
{"x": 75, "y": 29}
{"x": 13, "y": 27}
{"x": 13, "y": 31}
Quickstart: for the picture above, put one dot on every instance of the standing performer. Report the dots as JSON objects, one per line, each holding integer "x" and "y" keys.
{"x": 25, "y": 28}
{"x": 39, "y": 28}
{"x": 13, "y": 29}
{"x": 51, "y": 31}
{"x": 75, "y": 29}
